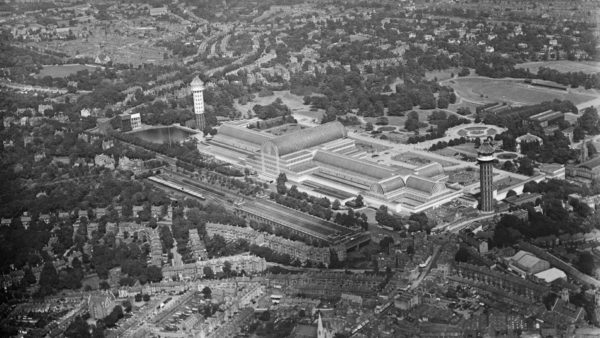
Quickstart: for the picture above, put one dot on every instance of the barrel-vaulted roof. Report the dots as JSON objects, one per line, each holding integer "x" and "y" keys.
{"x": 430, "y": 170}
{"x": 352, "y": 165}
{"x": 243, "y": 133}
{"x": 387, "y": 186}
{"x": 425, "y": 185}
{"x": 307, "y": 138}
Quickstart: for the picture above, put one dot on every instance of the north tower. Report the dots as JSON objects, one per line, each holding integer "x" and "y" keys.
{"x": 198, "y": 94}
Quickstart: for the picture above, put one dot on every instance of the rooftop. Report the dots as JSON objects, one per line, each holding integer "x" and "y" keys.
{"x": 486, "y": 149}
{"x": 591, "y": 164}
{"x": 546, "y": 116}
{"x": 551, "y": 275}
{"x": 307, "y": 138}
{"x": 196, "y": 82}
{"x": 526, "y": 259}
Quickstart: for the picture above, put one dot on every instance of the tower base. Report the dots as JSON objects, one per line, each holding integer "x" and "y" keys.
{"x": 200, "y": 122}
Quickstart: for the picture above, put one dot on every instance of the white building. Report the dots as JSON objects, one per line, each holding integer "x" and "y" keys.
{"x": 198, "y": 94}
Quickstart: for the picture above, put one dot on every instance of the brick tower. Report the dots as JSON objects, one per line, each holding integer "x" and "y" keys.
{"x": 485, "y": 160}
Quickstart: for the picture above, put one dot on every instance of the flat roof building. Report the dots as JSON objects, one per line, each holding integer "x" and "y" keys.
{"x": 527, "y": 263}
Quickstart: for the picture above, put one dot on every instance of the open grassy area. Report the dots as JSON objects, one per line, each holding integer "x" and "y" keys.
{"x": 563, "y": 66}
{"x": 441, "y": 75}
{"x": 63, "y": 70}
{"x": 487, "y": 90}
{"x": 294, "y": 102}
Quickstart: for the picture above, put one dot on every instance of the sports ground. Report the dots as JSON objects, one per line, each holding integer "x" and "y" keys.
{"x": 483, "y": 90}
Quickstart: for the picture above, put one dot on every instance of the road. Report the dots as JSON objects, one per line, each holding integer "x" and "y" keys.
{"x": 26, "y": 87}
{"x": 455, "y": 228}
{"x": 434, "y": 258}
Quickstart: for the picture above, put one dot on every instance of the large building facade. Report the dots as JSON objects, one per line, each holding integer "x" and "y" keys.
{"x": 323, "y": 161}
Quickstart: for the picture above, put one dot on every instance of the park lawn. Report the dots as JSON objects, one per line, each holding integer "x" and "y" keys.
{"x": 441, "y": 75}
{"x": 294, "y": 102}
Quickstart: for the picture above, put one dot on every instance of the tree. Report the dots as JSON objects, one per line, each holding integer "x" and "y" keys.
{"x": 442, "y": 102}
{"x": 127, "y": 306}
{"x": 336, "y": 204}
{"x": 385, "y": 243}
{"x": 462, "y": 255}
{"x": 265, "y": 316}
{"x": 412, "y": 122}
{"x": 29, "y": 277}
{"x": 208, "y": 272}
{"x": 359, "y": 201}
{"x": 227, "y": 268}
{"x": 369, "y": 126}
{"x": 127, "y": 209}
{"x": 146, "y": 297}
{"x": 589, "y": 121}
{"x": 104, "y": 285}
{"x": 138, "y": 297}
{"x": 591, "y": 149}
{"x": 207, "y": 292}
{"x": 114, "y": 316}
{"x": 525, "y": 166}
{"x": 420, "y": 218}
{"x": 578, "y": 134}
{"x": 154, "y": 274}
{"x": 79, "y": 328}
{"x": 511, "y": 193}
{"x": 585, "y": 263}
{"x": 48, "y": 279}
{"x": 281, "y": 179}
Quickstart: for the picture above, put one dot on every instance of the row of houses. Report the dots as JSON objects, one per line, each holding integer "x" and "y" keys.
{"x": 296, "y": 250}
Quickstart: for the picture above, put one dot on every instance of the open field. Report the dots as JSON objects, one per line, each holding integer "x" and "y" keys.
{"x": 487, "y": 90}
{"x": 563, "y": 66}
{"x": 441, "y": 75}
{"x": 64, "y": 70}
{"x": 294, "y": 102}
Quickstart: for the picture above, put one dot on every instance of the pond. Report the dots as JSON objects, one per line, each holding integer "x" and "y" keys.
{"x": 161, "y": 135}
{"x": 507, "y": 156}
